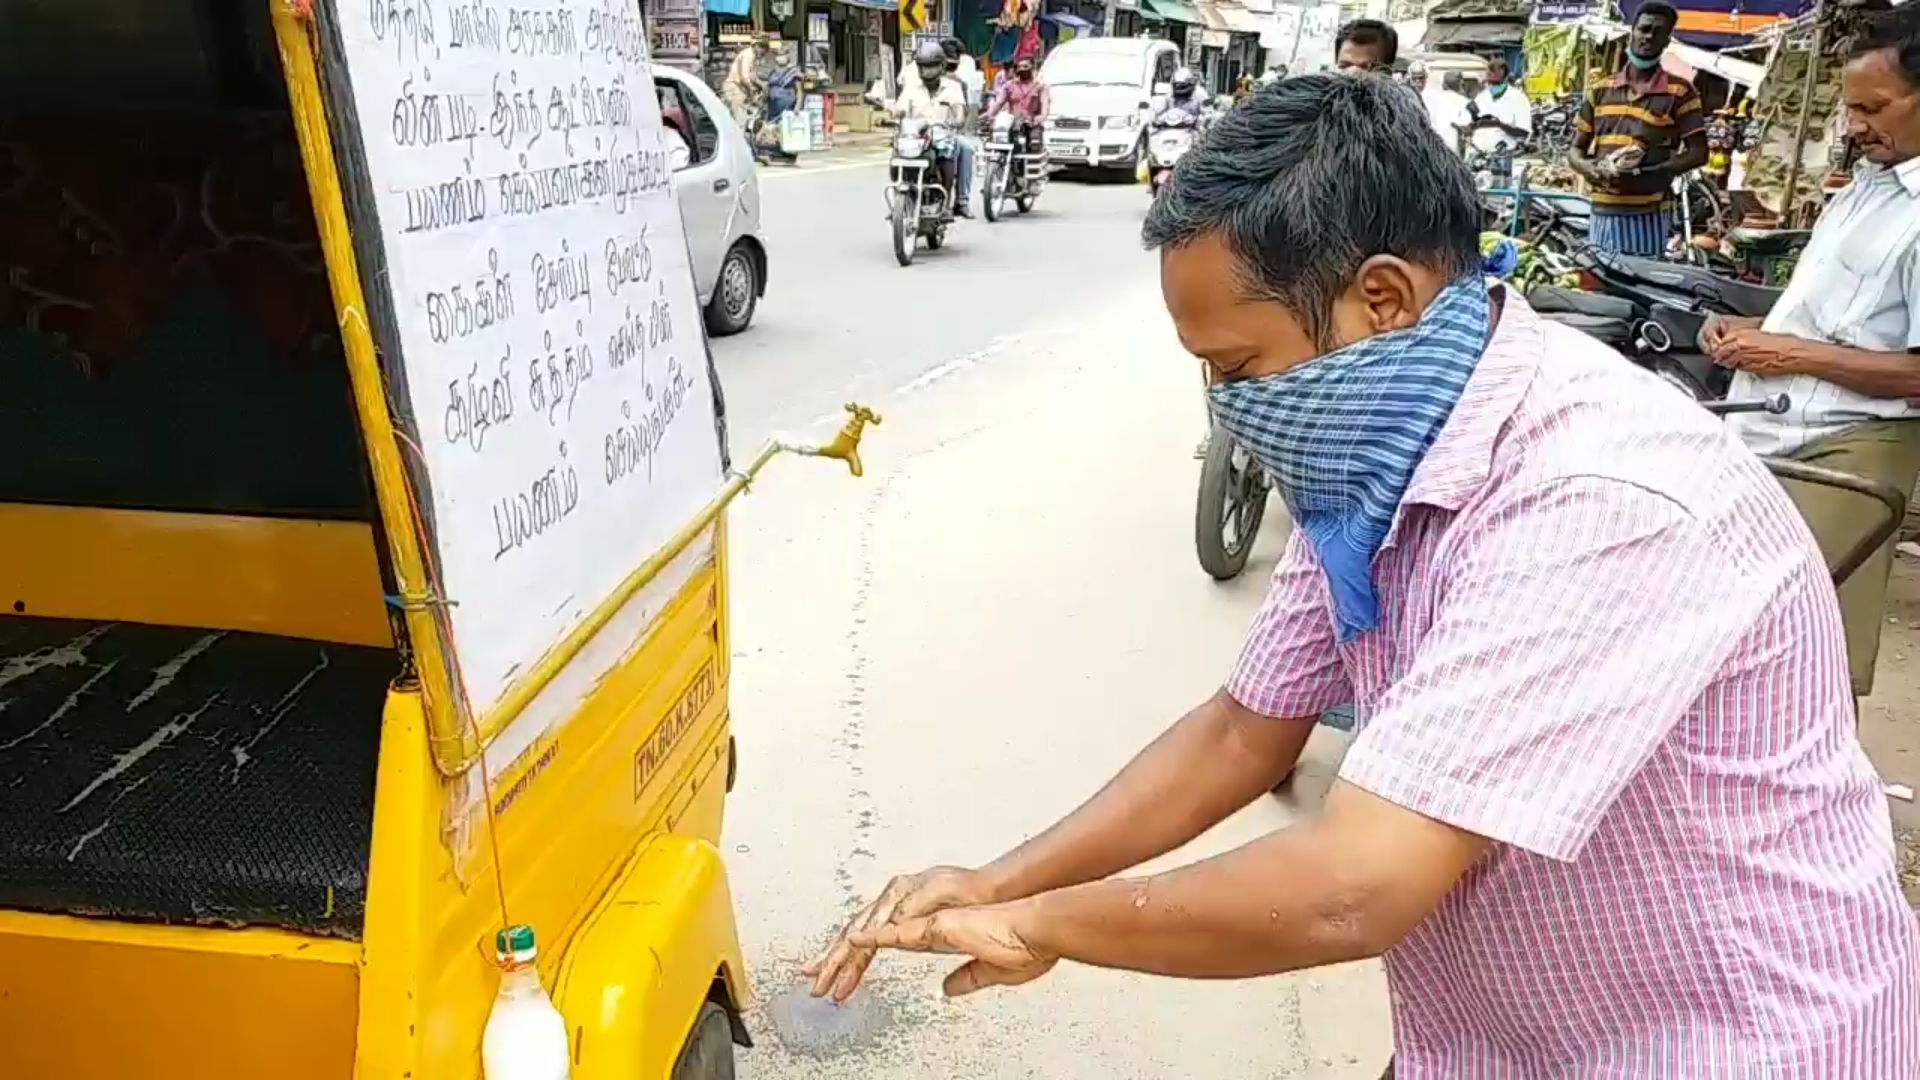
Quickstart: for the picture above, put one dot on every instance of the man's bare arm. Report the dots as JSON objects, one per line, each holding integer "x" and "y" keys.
{"x": 1864, "y": 371}
{"x": 1213, "y": 761}
{"x": 1346, "y": 887}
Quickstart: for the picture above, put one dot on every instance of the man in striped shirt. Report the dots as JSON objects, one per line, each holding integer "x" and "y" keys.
{"x": 1605, "y": 816}
{"x": 1634, "y": 134}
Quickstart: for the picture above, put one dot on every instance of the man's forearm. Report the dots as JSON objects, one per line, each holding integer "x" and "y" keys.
{"x": 1215, "y": 760}
{"x": 1269, "y": 907}
{"x": 1864, "y": 371}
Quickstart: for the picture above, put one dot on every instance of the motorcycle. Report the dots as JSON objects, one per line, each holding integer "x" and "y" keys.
{"x": 1016, "y": 165}
{"x": 921, "y": 187}
{"x": 1653, "y": 311}
{"x": 1169, "y": 136}
{"x": 1233, "y": 499}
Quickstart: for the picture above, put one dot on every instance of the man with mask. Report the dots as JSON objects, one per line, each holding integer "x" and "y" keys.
{"x": 937, "y": 97}
{"x": 1633, "y": 135}
{"x": 1605, "y": 813}
{"x": 1501, "y": 118}
{"x": 1024, "y": 95}
{"x": 1365, "y": 45}
{"x": 1841, "y": 342}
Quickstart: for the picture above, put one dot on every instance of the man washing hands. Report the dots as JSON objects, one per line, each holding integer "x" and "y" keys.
{"x": 1605, "y": 813}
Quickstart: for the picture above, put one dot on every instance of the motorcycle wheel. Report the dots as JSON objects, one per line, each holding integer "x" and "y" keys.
{"x": 994, "y": 190}
{"x": 1233, "y": 499}
{"x": 905, "y": 219}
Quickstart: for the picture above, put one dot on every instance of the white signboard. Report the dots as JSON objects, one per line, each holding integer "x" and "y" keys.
{"x": 548, "y": 327}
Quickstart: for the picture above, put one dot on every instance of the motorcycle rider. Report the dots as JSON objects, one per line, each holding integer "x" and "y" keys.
{"x": 1184, "y": 93}
{"x": 937, "y": 97}
{"x": 1025, "y": 95}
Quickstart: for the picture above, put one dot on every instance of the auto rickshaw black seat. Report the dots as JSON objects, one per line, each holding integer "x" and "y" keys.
{"x": 184, "y": 776}
{"x": 1556, "y": 299}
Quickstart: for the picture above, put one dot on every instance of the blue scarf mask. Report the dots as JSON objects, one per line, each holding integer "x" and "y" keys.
{"x": 1342, "y": 434}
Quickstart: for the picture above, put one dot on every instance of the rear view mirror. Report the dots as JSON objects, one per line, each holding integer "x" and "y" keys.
{"x": 1146, "y": 104}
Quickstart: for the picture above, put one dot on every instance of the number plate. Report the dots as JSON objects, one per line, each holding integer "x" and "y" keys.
{"x": 1068, "y": 150}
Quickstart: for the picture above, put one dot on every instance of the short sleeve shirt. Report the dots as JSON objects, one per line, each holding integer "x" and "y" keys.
{"x": 1657, "y": 116}
{"x": 1609, "y": 644}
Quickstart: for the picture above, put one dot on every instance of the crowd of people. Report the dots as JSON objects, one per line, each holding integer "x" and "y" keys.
{"x": 1606, "y": 812}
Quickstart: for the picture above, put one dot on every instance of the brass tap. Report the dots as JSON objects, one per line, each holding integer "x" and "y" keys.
{"x": 845, "y": 445}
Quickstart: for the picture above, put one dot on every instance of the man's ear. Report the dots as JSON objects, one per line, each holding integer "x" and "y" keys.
{"x": 1390, "y": 289}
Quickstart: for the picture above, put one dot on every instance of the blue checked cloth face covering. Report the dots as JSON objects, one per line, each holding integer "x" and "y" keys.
{"x": 1343, "y": 433}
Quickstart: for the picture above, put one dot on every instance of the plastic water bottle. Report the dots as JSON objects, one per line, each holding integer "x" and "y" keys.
{"x": 526, "y": 1039}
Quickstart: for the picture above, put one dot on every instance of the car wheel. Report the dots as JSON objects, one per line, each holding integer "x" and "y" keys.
{"x": 708, "y": 1051}
{"x": 736, "y": 294}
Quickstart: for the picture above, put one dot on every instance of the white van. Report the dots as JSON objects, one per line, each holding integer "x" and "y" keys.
{"x": 1102, "y": 90}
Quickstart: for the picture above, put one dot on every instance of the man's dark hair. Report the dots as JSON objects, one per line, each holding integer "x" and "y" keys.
{"x": 1371, "y": 33}
{"x": 1661, "y": 10}
{"x": 1895, "y": 28}
{"x": 1312, "y": 177}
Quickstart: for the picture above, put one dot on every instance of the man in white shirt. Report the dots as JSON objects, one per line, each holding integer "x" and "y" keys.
{"x": 1843, "y": 342}
{"x": 1446, "y": 108}
{"x": 933, "y": 95}
{"x": 1502, "y": 112}
{"x": 967, "y": 70}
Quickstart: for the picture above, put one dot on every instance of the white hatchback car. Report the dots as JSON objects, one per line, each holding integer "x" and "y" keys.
{"x": 719, "y": 194}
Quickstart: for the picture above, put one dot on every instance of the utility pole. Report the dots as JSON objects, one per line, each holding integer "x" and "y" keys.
{"x": 1108, "y": 29}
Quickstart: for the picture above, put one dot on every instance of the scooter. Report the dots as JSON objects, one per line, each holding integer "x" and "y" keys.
{"x": 1169, "y": 136}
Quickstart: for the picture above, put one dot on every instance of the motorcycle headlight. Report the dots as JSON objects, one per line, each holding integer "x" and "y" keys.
{"x": 1112, "y": 122}
{"x": 911, "y": 146}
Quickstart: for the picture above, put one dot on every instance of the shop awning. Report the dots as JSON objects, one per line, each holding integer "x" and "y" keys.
{"x": 877, "y": 5}
{"x": 1210, "y": 16}
{"x": 1171, "y": 11}
{"x": 1477, "y": 32}
{"x": 1069, "y": 20}
{"x": 741, "y": 9}
{"x": 1743, "y": 72}
{"x": 1241, "y": 21}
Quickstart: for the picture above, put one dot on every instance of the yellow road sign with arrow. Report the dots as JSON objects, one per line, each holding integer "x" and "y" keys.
{"x": 913, "y": 16}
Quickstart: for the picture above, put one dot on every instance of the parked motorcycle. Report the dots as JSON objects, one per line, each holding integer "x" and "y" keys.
{"x": 1233, "y": 499}
{"x": 1015, "y": 159}
{"x": 1169, "y": 136}
{"x": 1652, "y": 311}
{"x": 921, "y": 186}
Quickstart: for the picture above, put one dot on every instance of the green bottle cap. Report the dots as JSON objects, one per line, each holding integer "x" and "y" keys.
{"x": 515, "y": 943}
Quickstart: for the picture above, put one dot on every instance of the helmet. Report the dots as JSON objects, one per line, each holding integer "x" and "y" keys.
{"x": 931, "y": 59}
{"x": 952, "y": 48}
{"x": 1183, "y": 82}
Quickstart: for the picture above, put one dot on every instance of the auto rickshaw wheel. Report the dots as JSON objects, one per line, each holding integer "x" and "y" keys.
{"x": 708, "y": 1051}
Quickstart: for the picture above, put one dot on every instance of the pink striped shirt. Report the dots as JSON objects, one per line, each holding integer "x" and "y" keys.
{"x": 1609, "y": 644}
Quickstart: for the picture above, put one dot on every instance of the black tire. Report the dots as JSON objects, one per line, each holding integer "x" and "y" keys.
{"x": 1232, "y": 493}
{"x": 1024, "y": 202}
{"x": 1671, "y": 373}
{"x": 905, "y": 221}
{"x": 937, "y": 238}
{"x": 736, "y": 293}
{"x": 708, "y": 1052}
{"x": 990, "y": 192}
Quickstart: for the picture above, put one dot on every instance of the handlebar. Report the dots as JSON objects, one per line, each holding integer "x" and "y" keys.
{"x": 1888, "y": 496}
{"x": 1884, "y": 494}
{"x": 1777, "y": 405}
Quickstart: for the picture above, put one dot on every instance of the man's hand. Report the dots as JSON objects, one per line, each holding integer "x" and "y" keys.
{"x": 837, "y": 972}
{"x": 992, "y": 937}
{"x": 1713, "y": 336}
{"x": 1754, "y": 350}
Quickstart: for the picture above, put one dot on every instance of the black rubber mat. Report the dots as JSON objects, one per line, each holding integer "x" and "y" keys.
{"x": 156, "y": 773}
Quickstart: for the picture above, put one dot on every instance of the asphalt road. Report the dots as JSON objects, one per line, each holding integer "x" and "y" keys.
{"x": 842, "y": 318}
{"x": 934, "y": 661}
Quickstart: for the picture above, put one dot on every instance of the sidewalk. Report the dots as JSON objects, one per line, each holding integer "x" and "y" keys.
{"x": 847, "y": 149}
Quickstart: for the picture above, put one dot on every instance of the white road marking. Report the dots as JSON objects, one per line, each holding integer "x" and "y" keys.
{"x": 817, "y": 170}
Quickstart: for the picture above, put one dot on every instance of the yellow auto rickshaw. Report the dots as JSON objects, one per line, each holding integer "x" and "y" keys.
{"x": 362, "y": 479}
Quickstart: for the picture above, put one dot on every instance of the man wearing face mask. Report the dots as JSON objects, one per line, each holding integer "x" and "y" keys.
{"x": 1025, "y": 96}
{"x": 1634, "y": 134}
{"x": 1605, "y": 813}
{"x": 1501, "y": 117}
{"x": 1841, "y": 342}
{"x": 937, "y": 97}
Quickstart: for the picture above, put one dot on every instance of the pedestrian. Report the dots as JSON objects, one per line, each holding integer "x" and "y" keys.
{"x": 1500, "y": 117}
{"x": 1633, "y": 135}
{"x": 1841, "y": 341}
{"x": 1365, "y": 45}
{"x": 1605, "y": 812}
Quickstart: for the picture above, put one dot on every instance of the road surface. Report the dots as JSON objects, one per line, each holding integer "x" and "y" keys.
{"x": 938, "y": 659}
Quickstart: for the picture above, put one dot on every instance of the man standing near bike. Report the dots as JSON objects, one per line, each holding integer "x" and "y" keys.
{"x": 1841, "y": 342}
{"x": 1635, "y": 133}
{"x": 1606, "y": 814}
